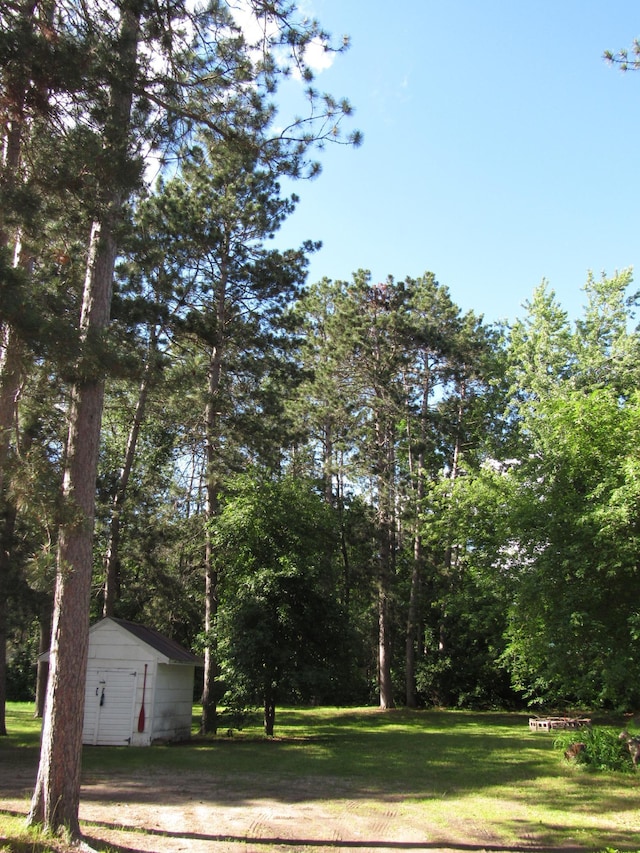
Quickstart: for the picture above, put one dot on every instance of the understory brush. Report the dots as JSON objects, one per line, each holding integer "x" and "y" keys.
{"x": 603, "y": 749}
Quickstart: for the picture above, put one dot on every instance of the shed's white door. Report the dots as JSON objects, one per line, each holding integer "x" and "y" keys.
{"x": 108, "y": 712}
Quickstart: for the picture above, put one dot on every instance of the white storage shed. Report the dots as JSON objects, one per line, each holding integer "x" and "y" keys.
{"x": 139, "y": 686}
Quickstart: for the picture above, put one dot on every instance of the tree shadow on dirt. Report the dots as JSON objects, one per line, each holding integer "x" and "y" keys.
{"x": 315, "y": 843}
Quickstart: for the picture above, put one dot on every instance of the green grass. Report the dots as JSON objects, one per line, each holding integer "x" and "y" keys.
{"x": 15, "y": 838}
{"x": 487, "y": 767}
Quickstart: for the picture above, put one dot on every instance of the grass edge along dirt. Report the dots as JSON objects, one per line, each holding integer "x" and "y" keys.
{"x": 16, "y": 837}
{"x": 438, "y": 761}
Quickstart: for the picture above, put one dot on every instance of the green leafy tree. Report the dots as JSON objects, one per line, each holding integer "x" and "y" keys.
{"x": 574, "y": 622}
{"x": 573, "y": 557}
{"x": 466, "y": 530}
{"x": 281, "y": 630}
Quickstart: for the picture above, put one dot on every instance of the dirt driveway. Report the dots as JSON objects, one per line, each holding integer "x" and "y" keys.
{"x": 190, "y": 813}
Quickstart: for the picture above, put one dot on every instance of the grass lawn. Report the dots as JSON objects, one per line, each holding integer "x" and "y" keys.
{"x": 448, "y": 768}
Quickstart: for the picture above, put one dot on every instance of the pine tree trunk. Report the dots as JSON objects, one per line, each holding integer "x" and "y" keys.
{"x": 3, "y": 665}
{"x": 386, "y": 561}
{"x": 412, "y": 625}
{"x": 269, "y": 714}
{"x": 112, "y": 558}
{"x": 327, "y": 463}
{"x": 344, "y": 549}
{"x": 11, "y": 351}
{"x": 383, "y": 466}
{"x": 417, "y": 566}
{"x": 11, "y": 378}
{"x": 450, "y": 552}
{"x": 55, "y": 800}
{"x": 385, "y": 684}
{"x": 56, "y": 797}
{"x": 209, "y": 721}
{"x": 11, "y": 374}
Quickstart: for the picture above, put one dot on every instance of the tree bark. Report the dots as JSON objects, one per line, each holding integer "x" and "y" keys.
{"x": 209, "y": 721}
{"x": 386, "y": 533}
{"x": 269, "y": 714}
{"x": 344, "y": 549}
{"x": 412, "y": 624}
{"x": 7, "y": 530}
{"x": 418, "y": 557}
{"x": 56, "y": 797}
{"x": 385, "y": 683}
{"x": 112, "y": 558}
{"x": 451, "y": 550}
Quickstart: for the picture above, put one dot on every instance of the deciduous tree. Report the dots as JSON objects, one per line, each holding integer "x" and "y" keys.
{"x": 281, "y": 627}
{"x": 573, "y": 558}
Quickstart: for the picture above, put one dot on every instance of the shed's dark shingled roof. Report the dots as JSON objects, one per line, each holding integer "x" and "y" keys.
{"x": 174, "y": 651}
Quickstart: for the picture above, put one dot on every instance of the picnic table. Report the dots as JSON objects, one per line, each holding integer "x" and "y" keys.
{"x": 546, "y": 724}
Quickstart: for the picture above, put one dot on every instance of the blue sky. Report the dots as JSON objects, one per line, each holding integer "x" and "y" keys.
{"x": 499, "y": 148}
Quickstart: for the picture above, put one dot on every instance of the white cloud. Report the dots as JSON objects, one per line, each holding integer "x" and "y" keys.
{"x": 252, "y": 27}
{"x": 257, "y": 32}
{"x": 317, "y": 57}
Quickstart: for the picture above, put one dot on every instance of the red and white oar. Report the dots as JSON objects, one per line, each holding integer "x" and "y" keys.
{"x": 141, "y": 715}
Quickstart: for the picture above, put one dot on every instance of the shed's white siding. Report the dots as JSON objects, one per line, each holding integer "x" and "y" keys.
{"x": 122, "y": 672}
{"x": 173, "y": 702}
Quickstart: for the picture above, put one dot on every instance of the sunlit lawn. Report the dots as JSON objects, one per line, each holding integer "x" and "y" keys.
{"x": 488, "y": 765}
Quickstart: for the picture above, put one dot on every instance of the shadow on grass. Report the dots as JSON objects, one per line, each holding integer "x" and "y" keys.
{"x": 430, "y": 765}
{"x": 19, "y": 845}
{"x": 389, "y": 757}
{"x": 422, "y": 755}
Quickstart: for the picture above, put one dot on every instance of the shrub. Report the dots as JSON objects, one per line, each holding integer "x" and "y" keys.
{"x": 603, "y": 748}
